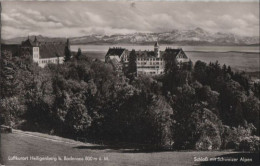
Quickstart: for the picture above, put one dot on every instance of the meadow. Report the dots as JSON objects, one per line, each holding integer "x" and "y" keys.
{"x": 23, "y": 144}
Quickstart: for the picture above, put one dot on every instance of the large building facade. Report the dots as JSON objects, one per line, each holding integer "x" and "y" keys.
{"x": 44, "y": 53}
{"x": 147, "y": 62}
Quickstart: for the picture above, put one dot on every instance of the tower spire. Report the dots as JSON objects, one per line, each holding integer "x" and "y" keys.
{"x": 157, "y": 49}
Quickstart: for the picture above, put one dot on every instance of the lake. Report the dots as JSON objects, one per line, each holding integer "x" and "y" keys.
{"x": 244, "y": 58}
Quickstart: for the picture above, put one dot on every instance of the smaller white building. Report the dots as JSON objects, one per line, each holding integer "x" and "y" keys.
{"x": 44, "y": 53}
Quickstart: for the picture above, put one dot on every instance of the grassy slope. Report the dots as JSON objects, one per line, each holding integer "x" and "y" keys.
{"x": 36, "y": 144}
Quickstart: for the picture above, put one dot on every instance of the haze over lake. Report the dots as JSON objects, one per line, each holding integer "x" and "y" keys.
{"x": 244, "y": 58}
{"x": 104, "y": 48}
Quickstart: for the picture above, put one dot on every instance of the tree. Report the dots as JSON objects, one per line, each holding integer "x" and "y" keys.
{"x": 187, "y": 66}
{"x": 242, "y": 79}
{"x": 67, "y": 53}
{"x": 11, "y": 110}
{"x": 224, "y": 68}
{"x": 171, "y": 64}
{"x": 159, "y": 113}
{"x": 77, "y": 119}
{"x": 209, "y": 98}
{"x": 200, "y": 72}
{"x": 79, "y": 53}
{"x": 8, "y": 75}
{"x": 201, "y": 130}
{"x": 132, "y": 68}
{"x": 229, "y": 71}
{"x": 251, "y": 111}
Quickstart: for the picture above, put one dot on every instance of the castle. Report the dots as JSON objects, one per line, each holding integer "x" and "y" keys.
{"x": 44, "y": 53}
{"x": 147, "y": 62}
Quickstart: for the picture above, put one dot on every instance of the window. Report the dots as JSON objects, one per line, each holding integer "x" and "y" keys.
{"x": 35, "y": 49}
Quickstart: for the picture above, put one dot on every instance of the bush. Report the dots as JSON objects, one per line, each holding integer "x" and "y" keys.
{"x": 232, "y": 145}
{"x": 204, "y": 143}
{"x": 250, "y": 144}
{"x": 231, "y": 137}
{"x": 201, "y": 131}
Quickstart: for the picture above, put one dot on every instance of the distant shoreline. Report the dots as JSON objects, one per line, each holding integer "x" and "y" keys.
{"x": 225, "y": 52}
{"x": 186, "y": 48}
{"x": 188, "y": 51}
{"x": 164, "y": 44}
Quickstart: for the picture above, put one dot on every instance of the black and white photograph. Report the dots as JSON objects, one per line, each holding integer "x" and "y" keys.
{"x": 129, "y": 83}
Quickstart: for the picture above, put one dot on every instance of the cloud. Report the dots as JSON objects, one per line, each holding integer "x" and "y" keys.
{"x": 84, "y": 18}
{"x": 94, "y": 18}
{"x": 210, "y": 23}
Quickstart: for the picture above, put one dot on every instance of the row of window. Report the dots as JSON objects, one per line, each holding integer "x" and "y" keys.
{"x": 148, "y": 67}
{"x": 151, "y": 63}
{"x": 150, "y": 73}
{"x": 49, "y": 61}
{"x": 181, "y": 56}
{"x": 149, "y": 59}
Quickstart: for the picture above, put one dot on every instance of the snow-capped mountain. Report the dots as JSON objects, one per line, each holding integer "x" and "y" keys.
{"x": 196, "y": 36}
{"x": 190, "y": 37}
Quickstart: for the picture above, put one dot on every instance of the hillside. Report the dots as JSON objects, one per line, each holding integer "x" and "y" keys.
{"x": 23, "y": 144}
{"x": 196, "y": 36}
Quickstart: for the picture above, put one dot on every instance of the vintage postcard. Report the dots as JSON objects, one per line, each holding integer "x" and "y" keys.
{"x": 158, "y": 83}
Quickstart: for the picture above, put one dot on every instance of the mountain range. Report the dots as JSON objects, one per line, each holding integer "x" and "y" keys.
{"x": 197, "y": 36}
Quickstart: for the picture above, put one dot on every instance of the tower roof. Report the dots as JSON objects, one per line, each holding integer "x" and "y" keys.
{"x": 35, "y": 42}
{"x": 156, "y": 44}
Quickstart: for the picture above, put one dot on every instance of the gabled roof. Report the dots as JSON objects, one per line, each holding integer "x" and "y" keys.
{"x": 175, "y": 52}
{"x": 47, "y": 49}
{"x": 115, "y": 51}
{"x": 172, "y": 52}
{"x": 52, "y": 50}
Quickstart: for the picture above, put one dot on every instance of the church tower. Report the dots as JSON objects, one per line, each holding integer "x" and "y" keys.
{"x": 157, "y": 49}
{"x": 36, "y": 50}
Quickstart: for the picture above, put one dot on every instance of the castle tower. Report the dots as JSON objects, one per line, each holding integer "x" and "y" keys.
{"x": 157, "y": 49}
{"x": 36, "y": 50}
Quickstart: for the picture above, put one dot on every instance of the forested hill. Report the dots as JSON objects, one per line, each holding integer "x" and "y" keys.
{"x": 197, "y": 106}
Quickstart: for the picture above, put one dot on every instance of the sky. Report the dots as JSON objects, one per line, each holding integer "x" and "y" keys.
{"x": 74, "y": 19}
